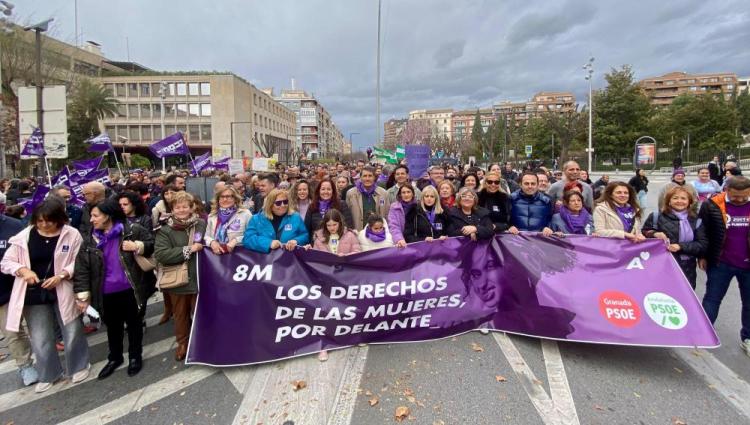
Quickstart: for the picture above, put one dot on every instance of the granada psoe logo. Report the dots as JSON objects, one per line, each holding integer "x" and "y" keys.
{"x": 619, "y": 308}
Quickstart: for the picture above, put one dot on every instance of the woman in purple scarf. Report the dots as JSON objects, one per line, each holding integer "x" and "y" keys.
{"x": 618, "y": 214}
{"x": 573, "y": 219}
{"x": 227, "y": 221}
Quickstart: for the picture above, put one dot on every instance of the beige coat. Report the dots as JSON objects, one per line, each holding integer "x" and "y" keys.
{"x": 354, "y": 202}
{"x": 608, "y": 224}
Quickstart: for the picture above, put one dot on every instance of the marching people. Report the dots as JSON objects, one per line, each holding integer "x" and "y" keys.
{"x": 726, "y": 217}
{"x": 161, "y": 212}
{"x": 334, "y": 236}
{"x": 299, "y": 197}
{"x": 134, "y": 208}
{"x": 42, "y": 258}
{"x": 325, "y": 198}
{"x": 400, "y": 177}
{"x": 427, "y": 221}
{"x": 531, "y": 210}
{"x": 618, "y": 214}
{"x": 447, "y": 193}
{"x": 266, "y": 183}
{"x": 366, "y": 198}
{"x": 175, "y": 246}
{"x": 375, "y": 235}
{"x": 397, "y": 214}
{"x": 678, "y": 179}
{"x": 705, "y": 186}
{"x": 74, "y": 213}
{"x": 571, "y": 173}
{"x": 496, "y": 202}
{"x": 93, "y": 193}
{"x": 678, "y": 226}
{"x": 227, "y": 222}
{"x": 275, "y": 226}
{"x": 108, "y": 278}
{"x": 468, "y": 218}
{"x": 18, "y": 342}
{"x": 573, "y": 218}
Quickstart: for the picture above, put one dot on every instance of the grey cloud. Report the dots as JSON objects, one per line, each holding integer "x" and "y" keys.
{"x": 449, "y": 52}
{"x": 546, "y": 25}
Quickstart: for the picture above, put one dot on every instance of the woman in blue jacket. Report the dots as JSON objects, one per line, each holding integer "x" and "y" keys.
{"x": 275, "y": 227}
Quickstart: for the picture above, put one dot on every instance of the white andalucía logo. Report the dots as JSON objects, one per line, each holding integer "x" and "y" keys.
{"x": 637, "y": 262}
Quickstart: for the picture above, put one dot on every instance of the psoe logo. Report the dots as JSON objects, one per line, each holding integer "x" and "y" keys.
{"x": 665, "y": 311}
{"x": 243, "y": 272}
{"x": 637, "y": 262}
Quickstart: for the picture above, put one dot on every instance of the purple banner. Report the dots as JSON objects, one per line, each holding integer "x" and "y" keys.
{"x": 31, "y": 203}
{"x": 255, "y": 308}
{"x": 88, "y": 165}
{"x": 63, "y": 177}
{"x": 100, "y": 143}
{"x": 35, "y": 144}
{"x": 417, "y": 159}
{"x": 200, "y": 163}
{"x": 222, "y": 164}
{"x": 171, "y": 145}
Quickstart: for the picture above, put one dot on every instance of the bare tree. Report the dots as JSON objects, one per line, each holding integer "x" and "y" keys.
{"x": 415, "y": 132}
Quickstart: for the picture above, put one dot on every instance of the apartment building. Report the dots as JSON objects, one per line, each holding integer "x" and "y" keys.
{"x": 743, "y": 85}
{"x": 664, "y": 89}
{"x": 462, "y": 122}
{"x": 438, "y": 120}
{"x": 541, "y": 102}
{"x": 220, "y": 113}
{"x": 392, "y": 130}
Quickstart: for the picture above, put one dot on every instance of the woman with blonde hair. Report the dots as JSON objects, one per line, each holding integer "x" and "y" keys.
{"x": 497, "y": 202}
{"x": 227, "y": 221}
{"x": 299, "y": 197}
{"x": 617, "y": 214}
{"x": 427, "y": 221}
{"x": 275, "y": 226}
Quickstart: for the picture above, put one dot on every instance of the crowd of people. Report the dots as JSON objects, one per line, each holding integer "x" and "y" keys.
{"x": 141, "y": 234}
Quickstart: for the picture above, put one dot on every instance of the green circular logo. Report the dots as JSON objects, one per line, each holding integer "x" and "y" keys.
{"x": 665, "y": 311}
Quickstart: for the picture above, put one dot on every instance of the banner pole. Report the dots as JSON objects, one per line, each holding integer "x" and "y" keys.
{"x": 118, "y": 164}
{"x": 163, "y": 165}
{"x": 49, "y": 177}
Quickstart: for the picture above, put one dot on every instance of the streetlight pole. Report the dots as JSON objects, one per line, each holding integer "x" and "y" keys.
{"x": 589, "y": 67}
{"x": 162, "y": 95}
{"x": 6, "y": 9}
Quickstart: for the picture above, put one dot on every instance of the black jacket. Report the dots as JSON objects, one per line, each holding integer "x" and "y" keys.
{"x": 639, "y": 183}
{"x": 89, "y": 269}
{"x": 499, "y": 207}
{"x": 417, "y": 226}
{"x": 145, "y": 222}
{"x": 9, "y": 227}
{"x": 713, "y": 219}
{"x": 715, "y": 172}
{"x": 480, "y": 218}
{"x": 314, "y": 218}
{"x": 669, "y": 224}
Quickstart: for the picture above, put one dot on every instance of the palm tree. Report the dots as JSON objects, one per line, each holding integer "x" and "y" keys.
{"x": 89, "y": 103}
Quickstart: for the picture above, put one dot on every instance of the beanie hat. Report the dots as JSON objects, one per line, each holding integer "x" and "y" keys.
{"x": 678, "y": 171}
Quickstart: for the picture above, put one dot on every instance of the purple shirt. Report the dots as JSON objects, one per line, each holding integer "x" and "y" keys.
{"x": 115, "y": 279}
{"x": 736, "y": 252}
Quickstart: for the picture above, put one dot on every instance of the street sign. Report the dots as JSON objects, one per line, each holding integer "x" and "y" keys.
{"x": 529, "y": 149}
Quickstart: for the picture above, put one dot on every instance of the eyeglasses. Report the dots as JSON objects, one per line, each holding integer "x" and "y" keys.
{"x": 494, "y": 182}
{"x": 467, "y": 196}
{"x": 281, "y": 202}
{"x": 226, "y": 196}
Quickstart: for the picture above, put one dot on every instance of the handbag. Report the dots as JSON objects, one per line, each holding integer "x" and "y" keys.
{"x": 145, "y": 263}
{"x": 176, "y": 275}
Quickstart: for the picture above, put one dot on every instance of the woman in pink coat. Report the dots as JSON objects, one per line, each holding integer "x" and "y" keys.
{"x": 42, "y": 258}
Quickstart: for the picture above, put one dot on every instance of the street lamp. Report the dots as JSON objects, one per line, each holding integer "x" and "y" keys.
{"x": 589, "y": 68}
{"x": 6, "y": 9}
{"x": 162, "y": 95}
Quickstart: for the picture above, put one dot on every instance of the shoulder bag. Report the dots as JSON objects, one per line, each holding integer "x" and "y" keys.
{"x": 176, "y": 275}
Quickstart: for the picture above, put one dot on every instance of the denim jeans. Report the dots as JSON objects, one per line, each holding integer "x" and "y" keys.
{"x": 642, "y": 199}
{"x": 719, "y": 278}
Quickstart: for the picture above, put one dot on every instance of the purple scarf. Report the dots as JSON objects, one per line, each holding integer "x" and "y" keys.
{"x": 575, "y": 223}
{"x": 430, "y": 212}
{"x": 105, "y": 237}
{"x": 627, "y": 216}
{"x": 222, "y": 219}
{"x": 324, "y": 206}
{"x": 367, "y": 192}
{"x": 373, "y": 236}
{"x": 407, "y": 206}
{"x": 686, "y": 232}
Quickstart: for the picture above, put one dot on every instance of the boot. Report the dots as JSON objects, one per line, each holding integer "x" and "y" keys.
{"x": 167, "y": 309}
{"x": 180, "y": 352}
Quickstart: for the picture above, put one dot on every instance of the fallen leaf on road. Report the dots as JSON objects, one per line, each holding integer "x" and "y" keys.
{"x": 368, "y": 393}
{"x": 476, "y": 347}
{"x": 402, "y": 412}
{"x": 678, "y": 370}
{"x": 408, "y": 392}
{"x": 538, "y": 382}
{"x": 500, "y": 378}
{"x": 678, "y": 421}
{"x": 298, "y": 385}
{"x": 411, "y": 399}
{"x": 636, "y": 394}
{"x": 182, "y": 393}
{"x": 438, "y": 422}
{"x": 597, "y": 407}
{"x": 373, "y": 401}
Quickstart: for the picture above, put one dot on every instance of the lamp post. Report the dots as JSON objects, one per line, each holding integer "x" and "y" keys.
{"x": 162, "y": 95}
{"x": 6, "y": 9}
{"x": 589, "y": 68}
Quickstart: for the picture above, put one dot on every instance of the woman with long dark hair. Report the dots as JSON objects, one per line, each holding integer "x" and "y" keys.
{"x": 325, "y": 198}
{"x": 639, "y": 182}
{"x": 135, "y": 209}
{"x": 618, "y": 214}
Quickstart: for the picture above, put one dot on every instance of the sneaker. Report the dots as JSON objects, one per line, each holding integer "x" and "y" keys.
{"x": 323, "y": 356}
{"x": 745, "y": 346}
{"x": 29, "y": 375}
{"x": 82, "y": 374}
{"x": 42, "y": 387}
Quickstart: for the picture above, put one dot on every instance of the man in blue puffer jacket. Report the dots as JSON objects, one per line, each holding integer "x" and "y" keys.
{"x": 531, "y": 210}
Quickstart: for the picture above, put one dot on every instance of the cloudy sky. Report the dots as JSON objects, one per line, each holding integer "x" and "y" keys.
{"x": 435, "y": 53}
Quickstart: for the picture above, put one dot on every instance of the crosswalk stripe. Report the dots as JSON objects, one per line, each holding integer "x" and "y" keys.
{"x": 346, "y": 396}
{"x": 559, "y": 388}
{"x": 95, "y": 339}
{"x": 136, "y": 400}
{"x": 27, "y": 395}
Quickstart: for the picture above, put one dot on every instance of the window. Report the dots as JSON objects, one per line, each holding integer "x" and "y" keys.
{"x": 255, "y": 117}
{"x": 181, "y": 89}
{"x": 120, "y": 89}
{"x": 110, "y": 88}
{"x": 194, "y": 109}
{"x": 146, "y": 133}
{"x": 156, "y": 130}
{"x": 206, "y": 132}
{"x": 134, "y": 133}
{"x": 155, "y": 87}
{"x": 205, "y": 89}
{"x": 156, "y": 107}
{"x": 182, "y": 128}
{"x": 182, "y": 110}
{"x": 122, "y": 130}
{"x": 145, "y": 89}
{"x": 171, "y": 89}
{"x": 194, "y": 132}
{"x": 132, "y": 90}
{"x": 730, "y": 86}
{"x": 111, "y": 130}
{"x": 255, "y": 99}
{"x": 193, "y": 89}
{"x": 145, "y": 110}
{"x": 133, "y": 111}
{"x": 169, "y": 110}
{"x": 205, "y": 109}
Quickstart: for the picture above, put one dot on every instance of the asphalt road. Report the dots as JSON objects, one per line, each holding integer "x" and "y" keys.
{"x": 467, "y": 379}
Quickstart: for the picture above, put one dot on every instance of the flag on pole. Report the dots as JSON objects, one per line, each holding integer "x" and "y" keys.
{"x": 198, "y": 164}
{"x": 39, "y": 194}
{"x": 63, "y": 177}
{"x": 100, "y": 143}
{"x": 35, "y": 144}
{"x": 222, "y": 164}
{"x": 400, "y": 152}
{"x": 169, "y": 146}
{"x": 88, "y": 165}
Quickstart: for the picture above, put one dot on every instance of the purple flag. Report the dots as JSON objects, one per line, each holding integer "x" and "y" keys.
{"x": 584, "y": 289}
{"x": 100, "y": 143}
{"x": 222, "y": 164}
{"x": 35, "y": 144}
{"x": 171, "y": 145}
{"x": 63, "y": 177}
{"x": 200, "y": 163}
{"x": 101, "y": 176}
{"x": 31, "y": 203}
{"x": 88, "y": 165}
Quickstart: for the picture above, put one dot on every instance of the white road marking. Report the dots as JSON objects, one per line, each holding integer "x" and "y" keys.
{"x": 136, "y": 400}
{"x": 346, "y": 396}
{"x": 734, "y": 389}
{"x": 559, "y": 388}
{"x": 27, "y": 395}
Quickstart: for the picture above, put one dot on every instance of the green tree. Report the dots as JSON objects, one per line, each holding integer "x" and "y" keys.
{"x": 89, "y": 103}
{"x": 139, "y": 161}
{"x": 710, "y": 121}
{"x": 621, "y": 115}
{"x": 743, "y": 109}
{"x": 479, "y": 143}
